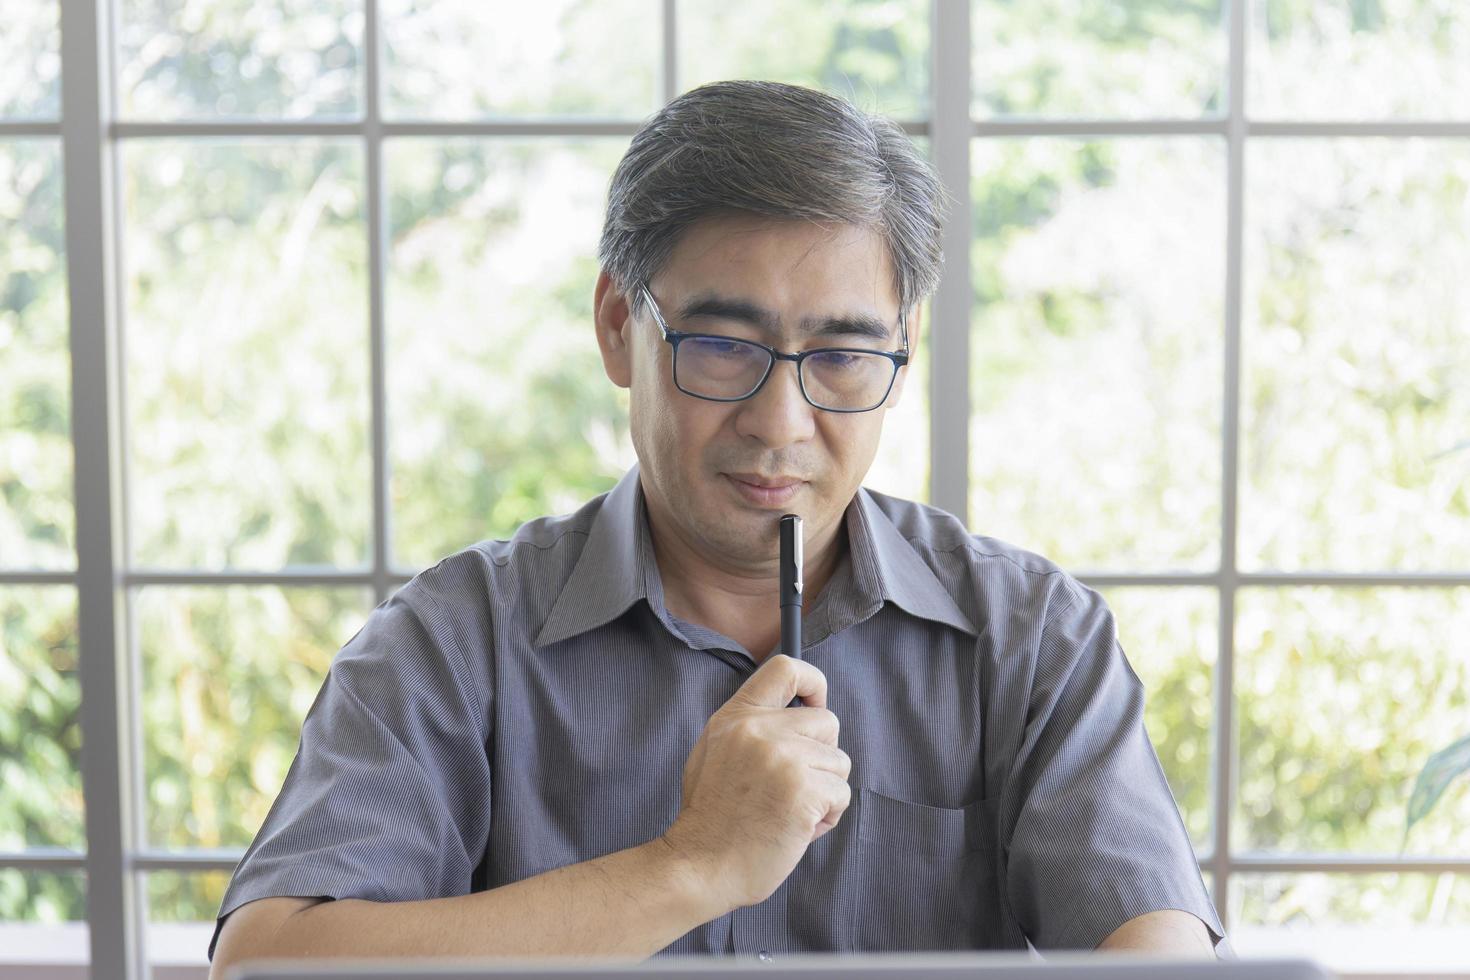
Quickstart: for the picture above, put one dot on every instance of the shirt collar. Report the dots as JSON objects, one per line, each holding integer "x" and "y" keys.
{"x": 616, "y": 569}
{"x": 885, "y": 566}
{"x": 610, "y": 574}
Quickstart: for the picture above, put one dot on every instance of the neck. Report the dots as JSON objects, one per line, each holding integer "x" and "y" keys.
{"x": 737, "y": 599}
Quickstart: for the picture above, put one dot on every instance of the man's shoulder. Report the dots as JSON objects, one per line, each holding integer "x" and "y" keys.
{"x": 535, "y": 560}
{"x": 961, "y": 557}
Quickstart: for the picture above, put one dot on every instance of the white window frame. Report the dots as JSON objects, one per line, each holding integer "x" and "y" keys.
{"x": 90, "y": 133}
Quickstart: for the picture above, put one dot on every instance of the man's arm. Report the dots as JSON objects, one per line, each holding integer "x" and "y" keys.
{"x": 1170, "y": 931}
{"x": 762, "y": 782}
{"x": 630, "y": 903}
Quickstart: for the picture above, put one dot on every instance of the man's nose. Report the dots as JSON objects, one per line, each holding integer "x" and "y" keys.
{"x": 778, "y": 415}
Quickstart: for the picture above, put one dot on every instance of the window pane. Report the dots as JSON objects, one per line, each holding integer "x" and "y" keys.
{"x": 40, "y": 896}
{"x": 1146, "y": 58}
{"x": 181, "y": 911}
{"x": 876, "y": 54}
{"x": 1350, "y": 59}
{"x": 1355, "y": 439}
{"x": 901, "y": 466}
{"x": 1171, "y": 637}
{"x": 1097, "y": 351}
{"x": 30, "y": 60}
{"x": 265, "y": 58}
{"x": 43, "y": 921}
{"x": 1356, "y": 924}
{"x": 40, "y": 730}
{"x": 1343, "y": 695}
{"x": 180, "y": 896}
{"x": 228, "y": 676}
{"x": 247, "y": 354}
{"x": 499, "y": 408}
{"x": 467, "y": 58}
{"x": 36, "y": 515}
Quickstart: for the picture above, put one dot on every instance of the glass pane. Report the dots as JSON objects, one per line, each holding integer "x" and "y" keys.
{"x": 901, "y": 467}
{"x": 1343, "y": 695}
{"x": 1359, "y": 59}
{"x": 1097, "y": 349}
{"x": 1171, "y": 637}
{"x": 494, "y": 365}
{"x": 228, "y": 676}
{"x": 43, "y": 922}
{"x": 1145, "y": 58}
{"x": 1357, "y": 924}
{"x": 467, "y": 58}
{"x": 1355, "y": 438}
{"x": 181, "y": 911}
{"x": 40, "y": 896}
{"x": 36, "y": 515}
{"x": 284, "y": 59}
{"x": 30, "y": 60}
{"x": 247, "y": 354}
{"x": 874, "y": 53}
{"x": 40, "y": 729}
{"x": 178, "y": 896}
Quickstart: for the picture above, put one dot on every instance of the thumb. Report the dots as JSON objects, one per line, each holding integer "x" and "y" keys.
{"x": 780, "y": 679}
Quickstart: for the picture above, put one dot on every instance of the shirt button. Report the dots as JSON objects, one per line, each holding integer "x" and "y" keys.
{"x": 765, "y": 956}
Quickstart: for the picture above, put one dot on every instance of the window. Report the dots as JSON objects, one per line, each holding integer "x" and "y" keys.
{"x": 1202, "y": 338}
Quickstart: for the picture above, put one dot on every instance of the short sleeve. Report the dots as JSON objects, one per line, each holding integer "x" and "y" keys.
{"x": 388, "y": 798}
{"x": 1095, "y": 837}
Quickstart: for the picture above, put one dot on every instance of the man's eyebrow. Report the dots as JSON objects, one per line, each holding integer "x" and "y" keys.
{"x": 727, "y": 308}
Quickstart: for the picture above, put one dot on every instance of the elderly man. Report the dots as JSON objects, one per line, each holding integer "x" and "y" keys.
{"x": 583, "y": 741}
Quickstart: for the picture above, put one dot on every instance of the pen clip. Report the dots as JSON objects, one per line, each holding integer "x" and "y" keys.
{"x": 796, "y": 555}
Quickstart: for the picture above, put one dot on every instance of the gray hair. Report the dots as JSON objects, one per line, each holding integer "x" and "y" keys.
{"x": 771, "y": 149}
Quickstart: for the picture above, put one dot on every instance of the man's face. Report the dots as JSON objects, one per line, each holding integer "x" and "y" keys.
{"x": 702, "y": 461}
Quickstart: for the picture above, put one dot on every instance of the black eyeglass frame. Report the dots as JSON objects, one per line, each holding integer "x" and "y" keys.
{"x": 675, "y": 337}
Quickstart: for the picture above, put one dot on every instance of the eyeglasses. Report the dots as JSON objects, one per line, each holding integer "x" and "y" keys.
{"x": 728, "y": 369}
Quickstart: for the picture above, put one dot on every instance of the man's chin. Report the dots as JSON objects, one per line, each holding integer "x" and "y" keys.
{"x": 744, "y": 535}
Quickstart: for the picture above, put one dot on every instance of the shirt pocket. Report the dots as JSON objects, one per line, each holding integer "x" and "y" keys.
{"x": 924, "y": 875}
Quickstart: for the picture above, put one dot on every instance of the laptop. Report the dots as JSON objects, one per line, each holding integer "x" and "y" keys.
{"x": 806, "y": 966}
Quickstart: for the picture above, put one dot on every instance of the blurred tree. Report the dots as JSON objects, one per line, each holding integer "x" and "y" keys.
{"x": 36, "y": 519}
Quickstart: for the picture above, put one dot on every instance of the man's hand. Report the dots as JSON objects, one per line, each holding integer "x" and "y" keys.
{"x": 762, "y": 783}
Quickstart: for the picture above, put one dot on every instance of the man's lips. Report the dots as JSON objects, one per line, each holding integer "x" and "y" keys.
{"x": 765, "y": 482}
{"x": 765, "y": 491}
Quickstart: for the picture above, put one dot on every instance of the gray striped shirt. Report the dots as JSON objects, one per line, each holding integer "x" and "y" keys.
{"x": 529, "y": 704}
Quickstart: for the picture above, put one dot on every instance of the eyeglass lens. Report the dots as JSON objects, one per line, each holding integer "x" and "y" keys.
{"x": 726, "y": 368}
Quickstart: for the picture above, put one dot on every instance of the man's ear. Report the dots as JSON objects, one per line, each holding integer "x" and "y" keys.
{"x": 915, "y": 325}
{"x": 614, "y": 323}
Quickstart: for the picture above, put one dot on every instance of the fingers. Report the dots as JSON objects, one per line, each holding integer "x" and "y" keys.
{"x": 826, "y": 758}
{"x": 837, "y": 795}
{"x": 780, "y": 679}
{"x": 818, "y": 724}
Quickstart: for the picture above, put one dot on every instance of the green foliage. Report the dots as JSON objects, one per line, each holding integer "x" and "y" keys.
{"x": 287, "y": 58}
{"x": 551, "y": 58}
{"x": 36, "y": 520}
{"x": 1341, "y": 694}
{"x": 875, "y": 52}
{"x": 1443, "y": 768}
{"x": 1150, "y": 58}
{"x": 40, "y": 747}
{"x": 30, "y": 61}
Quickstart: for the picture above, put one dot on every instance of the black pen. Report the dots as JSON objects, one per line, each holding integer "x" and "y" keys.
{"x": 791, "y": 561}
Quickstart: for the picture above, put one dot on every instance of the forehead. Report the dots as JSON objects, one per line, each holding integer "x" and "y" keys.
{"x": 800, "y": 266}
